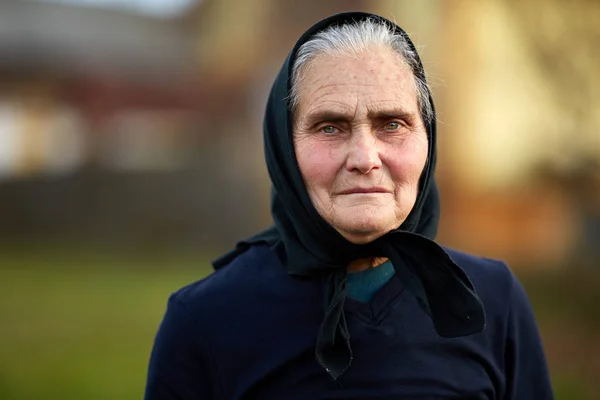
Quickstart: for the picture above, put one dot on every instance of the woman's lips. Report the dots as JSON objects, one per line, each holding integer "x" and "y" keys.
{"x": 359, "y": 190}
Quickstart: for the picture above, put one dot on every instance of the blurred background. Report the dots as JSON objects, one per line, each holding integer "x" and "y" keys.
{"x": 131, "y": 155}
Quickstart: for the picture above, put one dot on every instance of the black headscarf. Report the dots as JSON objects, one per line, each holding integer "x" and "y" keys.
{"x": 309, "y": 246}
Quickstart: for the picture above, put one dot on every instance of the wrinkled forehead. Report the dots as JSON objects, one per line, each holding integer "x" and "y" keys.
{"x": 374, "y": 79}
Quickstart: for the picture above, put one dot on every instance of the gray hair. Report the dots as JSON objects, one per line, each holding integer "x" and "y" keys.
{"x": 351, "y": 39}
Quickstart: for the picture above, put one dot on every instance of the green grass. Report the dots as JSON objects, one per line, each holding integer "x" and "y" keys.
{"x": 75, "y": 331}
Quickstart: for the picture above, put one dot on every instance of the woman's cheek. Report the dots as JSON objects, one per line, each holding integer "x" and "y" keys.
{"x": 317, "y": 161}
{"x": 407, "y": 164}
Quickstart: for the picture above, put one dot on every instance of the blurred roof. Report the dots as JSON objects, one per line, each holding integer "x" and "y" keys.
{"x": 151, "y": 8}
{"x": 64, "y": 39}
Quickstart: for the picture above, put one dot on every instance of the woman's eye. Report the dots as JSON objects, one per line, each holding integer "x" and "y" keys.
{"x": 328, "y": 129}
{"x": 392, "y": 126}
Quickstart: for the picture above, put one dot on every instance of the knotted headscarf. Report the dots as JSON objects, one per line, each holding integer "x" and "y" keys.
{"x": 307, "y": 245}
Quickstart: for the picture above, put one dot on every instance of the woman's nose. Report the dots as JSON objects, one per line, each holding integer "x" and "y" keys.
{"x": 363, "y": 153}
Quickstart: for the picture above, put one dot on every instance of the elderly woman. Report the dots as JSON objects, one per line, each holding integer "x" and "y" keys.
{"x": 347, "y": 296}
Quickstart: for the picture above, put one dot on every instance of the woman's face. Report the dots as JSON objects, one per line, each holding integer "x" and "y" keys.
{"x": 360, "y": 141}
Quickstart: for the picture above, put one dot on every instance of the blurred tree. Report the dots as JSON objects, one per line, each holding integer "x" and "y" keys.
{"x": 562, "y": 39}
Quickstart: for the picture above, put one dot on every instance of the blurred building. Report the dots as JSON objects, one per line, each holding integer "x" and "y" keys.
{"x": 133, "y": 127}
{"x": 75, "y": 78}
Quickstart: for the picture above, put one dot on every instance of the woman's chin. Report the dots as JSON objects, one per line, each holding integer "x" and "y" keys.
{"x": 361, "y": 225}
{"x": 363, "y": 233}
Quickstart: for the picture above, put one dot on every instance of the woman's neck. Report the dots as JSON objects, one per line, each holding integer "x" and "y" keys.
{"x": 365, "y": 263}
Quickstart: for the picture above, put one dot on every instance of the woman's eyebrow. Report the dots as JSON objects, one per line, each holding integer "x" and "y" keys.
{"x": 392, "y": 113}
{"x": 326, "y": 115}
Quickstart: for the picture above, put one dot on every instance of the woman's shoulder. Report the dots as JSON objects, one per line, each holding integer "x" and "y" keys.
{"x": 251, "y": 267}
{"x": 252, "y": 287}
{"x": 480, "y": 268}
{"x": 493, "y": 279}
